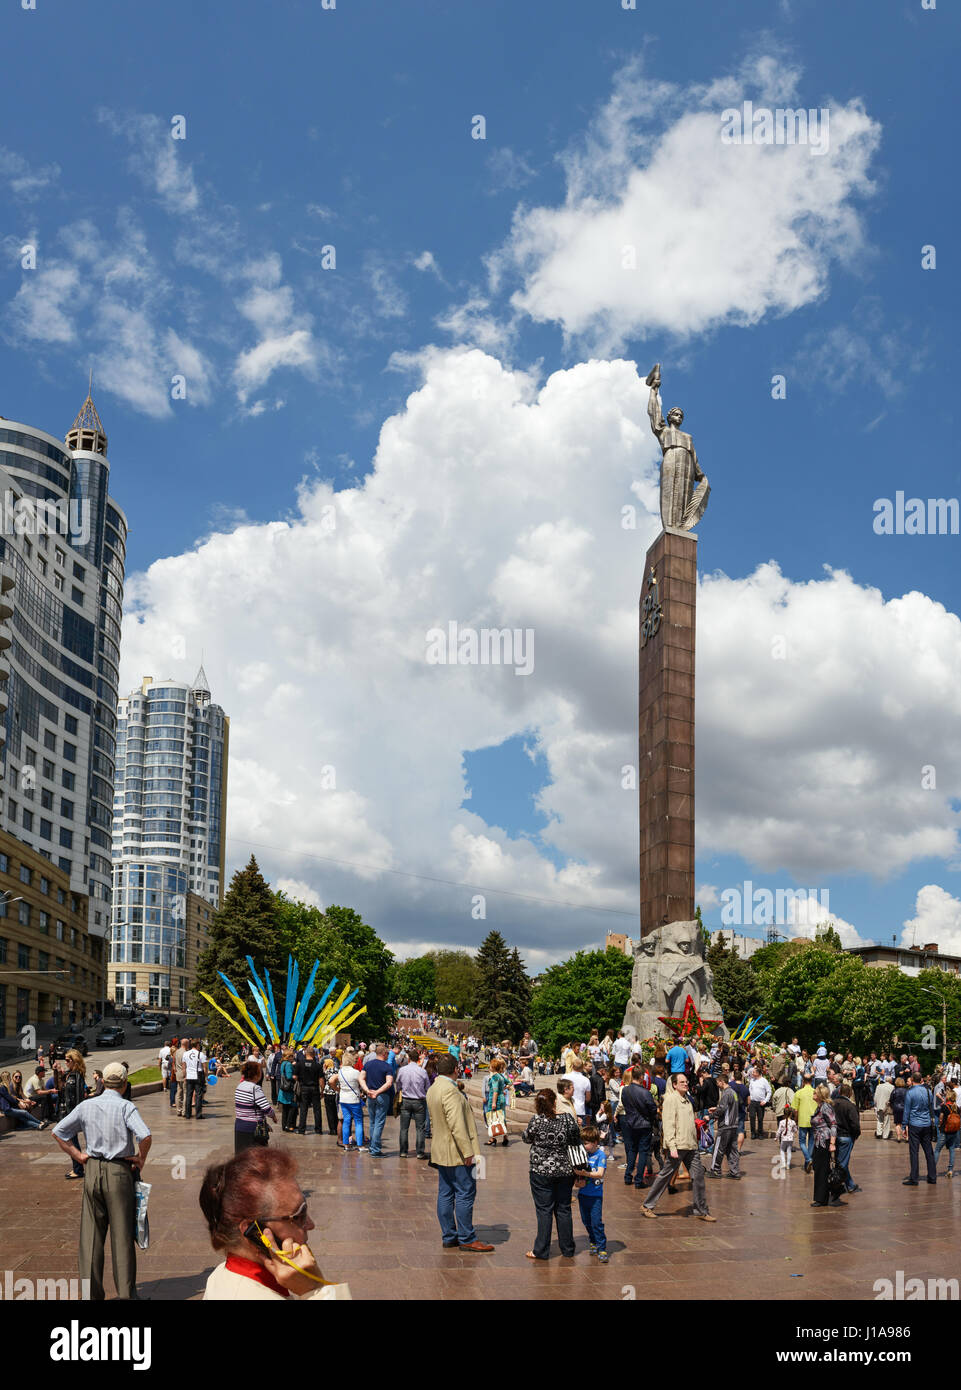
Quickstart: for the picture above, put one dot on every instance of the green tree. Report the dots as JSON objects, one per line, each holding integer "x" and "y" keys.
{"x": 456, "y": 982}
{"x": 500, "y": 1007}
{"x": 705, "y": 934}
{"x": 737, "y": 988}
{"x": 346, "y": 948}
{"x": 825, "y": 934}
{"x": 415, "y": 982}
{"x": 247, "y": 924}
{"x": 590, "y": 990}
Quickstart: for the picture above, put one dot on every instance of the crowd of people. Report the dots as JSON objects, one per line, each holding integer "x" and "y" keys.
{"x": 615, "y": 1107}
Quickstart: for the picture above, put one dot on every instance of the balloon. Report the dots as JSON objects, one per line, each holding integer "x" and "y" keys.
{"x": 212, "y": 1079}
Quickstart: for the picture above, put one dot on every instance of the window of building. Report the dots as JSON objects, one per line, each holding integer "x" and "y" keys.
{"x": 69, "y": 780}
{"x": 50, "y": 741}
{"x": 23, "y": 957}
{"x": 4, "y": 864}
{"x": 79, "y": 572}
{"x": 44, "y": 923}
{"x": 27, "y": 549}
{"x": 70, "y": 751}
{"x": 42, "y": 564}
{"x": 73, "y": 936}
{"x": 46, "y": 829}
{"x": 77, "y": 595}
{"x": 60, "y": 930}
{"x": 28, "y": 820}
{"x": 23, "y": 914}
{"x": 59, "y": 555}
{"x": 65, "y": 864}
{"x": 70, "y": 724}
{"x": 48, "y": 769}
{"x": 43, "y": 961}
{"x": 44, "y": 885}
{"x": 66, "y": 808}
{"x": 58, "y": 582}
{"x": 13, "y": 810}
{"x": 3, "y": 950}
{"x": 61, "y": 897}
{"x": 46, "y": 799}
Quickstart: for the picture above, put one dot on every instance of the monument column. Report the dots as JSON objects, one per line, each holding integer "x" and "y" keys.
{"x": 666, "y": 730}
{"x": 670, "y": 963}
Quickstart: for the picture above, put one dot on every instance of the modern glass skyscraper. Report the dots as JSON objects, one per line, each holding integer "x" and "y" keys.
{"x": 63, "y": 546}
{"x": 169, "y": 835}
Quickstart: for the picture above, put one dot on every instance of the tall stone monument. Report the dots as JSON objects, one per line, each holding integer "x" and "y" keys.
{"x": 669, "y": 960}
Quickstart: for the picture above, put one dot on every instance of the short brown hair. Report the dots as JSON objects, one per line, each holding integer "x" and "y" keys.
{"x": 545, "y": 1101}
{"x": 236, "y": 1189}
{"x": 590, "y": 1134}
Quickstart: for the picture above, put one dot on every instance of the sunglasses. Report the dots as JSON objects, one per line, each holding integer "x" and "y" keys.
{"x": 299, "y": 1217}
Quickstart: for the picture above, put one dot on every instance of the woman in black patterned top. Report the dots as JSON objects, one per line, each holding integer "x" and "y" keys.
{"x": 824, "y": 1132}
{"x": 552, "y": 1177}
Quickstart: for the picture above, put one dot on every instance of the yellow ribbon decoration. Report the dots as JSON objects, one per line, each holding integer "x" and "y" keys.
{"x": 231, "y": 1021}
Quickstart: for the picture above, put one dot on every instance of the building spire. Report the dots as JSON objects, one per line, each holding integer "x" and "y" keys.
{"x": 200, "y": 685}
{"x": 87, "y": 431}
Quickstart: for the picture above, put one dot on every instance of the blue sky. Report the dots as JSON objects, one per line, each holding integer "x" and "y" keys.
{"x": 351, "y": 128}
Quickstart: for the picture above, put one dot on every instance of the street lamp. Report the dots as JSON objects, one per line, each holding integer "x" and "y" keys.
{"x": 944, "y": 1019}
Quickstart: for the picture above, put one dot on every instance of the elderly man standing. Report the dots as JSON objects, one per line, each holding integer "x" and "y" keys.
{"x": 117, "y": 1143}
{"x": 680, "y": 1140}
{"x": 454, "y": 1151}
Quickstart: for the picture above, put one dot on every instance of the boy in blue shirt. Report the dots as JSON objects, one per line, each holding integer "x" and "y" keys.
{"x": 590, "y": 1195}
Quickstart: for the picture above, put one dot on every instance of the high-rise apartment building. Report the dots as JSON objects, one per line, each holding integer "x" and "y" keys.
{"x": 62, "y": 552}
{"x": 169, "y": 838}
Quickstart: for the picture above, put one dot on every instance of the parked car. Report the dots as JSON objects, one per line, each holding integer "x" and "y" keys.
{"x": 110, "y": 1036}
{"x": 125, "y": 1011}
{"x": 66, "y": 1042}
{"x": 150, "y": 1025}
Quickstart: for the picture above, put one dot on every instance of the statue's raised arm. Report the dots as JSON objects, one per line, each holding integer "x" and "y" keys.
{"x": 654, "y": 400}
{"x": 684, "y": 488}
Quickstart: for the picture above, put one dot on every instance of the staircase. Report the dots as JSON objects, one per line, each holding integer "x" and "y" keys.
{"x": 517, "y": 1119}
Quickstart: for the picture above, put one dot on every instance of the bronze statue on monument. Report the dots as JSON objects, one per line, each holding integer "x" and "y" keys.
{"x": 684, "y": 488}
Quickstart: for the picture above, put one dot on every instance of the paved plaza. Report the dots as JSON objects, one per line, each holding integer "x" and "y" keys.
{"x": 377, "y": 1228}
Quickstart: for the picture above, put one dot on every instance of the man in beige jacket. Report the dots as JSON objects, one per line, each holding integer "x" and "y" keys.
{"x": 454, "y": 1149}
{"x": 680, "y": 1146}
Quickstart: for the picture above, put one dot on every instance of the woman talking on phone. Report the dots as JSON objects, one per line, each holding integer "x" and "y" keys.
{"x": 257, "y": 1214}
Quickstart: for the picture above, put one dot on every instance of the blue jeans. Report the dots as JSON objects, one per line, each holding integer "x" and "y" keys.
{"x": 845, "y": 1145}
{"x": 706, "y": 1115}
{"x": 173, "y": 1091}
{"x": 806, "y": 1140}
{"x": 377, "y": 1108}
{"x": 353, "y": 1115}
{"x": 949, "y": 1142}
{"x": 637, "y": 1147}
{"x": 23, "y": 1117}
{"x": 591, "y": 1205}
{"x": 456, "y": 1189}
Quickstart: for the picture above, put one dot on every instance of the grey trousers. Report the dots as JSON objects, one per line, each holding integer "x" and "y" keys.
{"x": 725, "y": 1146}
{"x": 692, "y": 1161}
{"x": 108, "y": 1200}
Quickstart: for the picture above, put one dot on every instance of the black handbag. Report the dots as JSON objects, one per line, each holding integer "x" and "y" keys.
{"x": 836, "y": 1182}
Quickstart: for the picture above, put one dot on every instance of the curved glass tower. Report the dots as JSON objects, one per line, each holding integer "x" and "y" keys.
{"x": 168, "y": 834}
{"x": 63, "y": 549}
